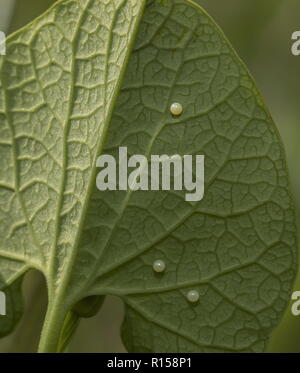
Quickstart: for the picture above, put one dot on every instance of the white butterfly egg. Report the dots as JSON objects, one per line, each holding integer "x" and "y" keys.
{"x": 193, "y": 296}
{"x": 159, "y": 266}
{"x": 176, "y": 109}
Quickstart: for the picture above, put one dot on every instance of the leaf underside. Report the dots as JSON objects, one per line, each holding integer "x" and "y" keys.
{"x": 236, "y": 247}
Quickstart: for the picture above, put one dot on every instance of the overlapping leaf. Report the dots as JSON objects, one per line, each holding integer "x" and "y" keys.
{"x": 59, "y": 82}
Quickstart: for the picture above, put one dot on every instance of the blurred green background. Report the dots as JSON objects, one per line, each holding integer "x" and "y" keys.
{"x": 260, "y": 31}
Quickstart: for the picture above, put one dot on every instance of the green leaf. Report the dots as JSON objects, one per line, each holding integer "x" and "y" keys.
{"x": 59, "y": 83}
{"x": 236, "y": 247}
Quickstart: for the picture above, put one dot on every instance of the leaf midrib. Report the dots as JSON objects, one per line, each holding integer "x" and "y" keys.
{"x": 66, "y": 128}
{"x": 102, "y": 136}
